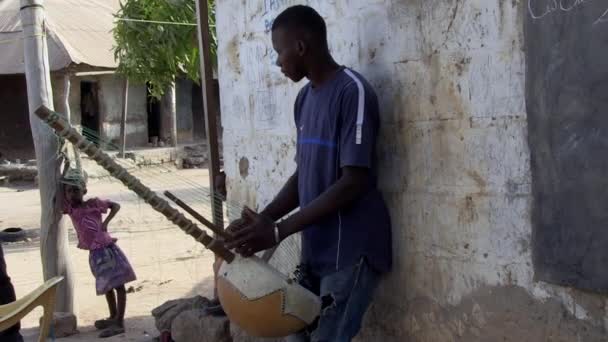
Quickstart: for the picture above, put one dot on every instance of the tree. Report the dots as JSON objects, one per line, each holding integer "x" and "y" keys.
{"x": 156, "y": 40}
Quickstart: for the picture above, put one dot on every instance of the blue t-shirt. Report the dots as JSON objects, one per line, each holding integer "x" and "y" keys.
{"x": 337, "y": 126}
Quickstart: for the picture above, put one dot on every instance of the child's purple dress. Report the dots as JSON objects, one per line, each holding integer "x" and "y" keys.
{"x": 108, "y": 263}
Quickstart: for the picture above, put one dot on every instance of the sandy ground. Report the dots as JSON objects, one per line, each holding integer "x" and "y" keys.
{"x": 168, "y": 263}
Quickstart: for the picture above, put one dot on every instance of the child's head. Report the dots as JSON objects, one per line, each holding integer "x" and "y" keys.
{"x": 75, "y": 186}
{"x": 75, "y": 193}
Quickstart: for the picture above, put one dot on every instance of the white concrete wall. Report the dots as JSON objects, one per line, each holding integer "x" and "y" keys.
{"x": 453, "y": 153}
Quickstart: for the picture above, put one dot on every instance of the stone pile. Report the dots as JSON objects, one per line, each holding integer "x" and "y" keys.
{"x": 188, "y": 321}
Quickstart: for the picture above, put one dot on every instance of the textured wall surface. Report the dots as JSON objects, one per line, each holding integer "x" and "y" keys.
{"x": 454, "y": 159}
{"x": 185, "y": 123}
{"x": 567, "y": 83}
{"x": 110, "y": 106}
{"x": 110, "y": 99}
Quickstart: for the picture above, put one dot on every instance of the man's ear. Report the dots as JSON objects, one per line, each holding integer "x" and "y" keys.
{"x": 301, "y": 48}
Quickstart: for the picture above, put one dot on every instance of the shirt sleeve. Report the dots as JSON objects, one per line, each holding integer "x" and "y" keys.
{"x": 359, "y": 125}
{"x": 296, "y": 118}
{"x": 102, "y": 205}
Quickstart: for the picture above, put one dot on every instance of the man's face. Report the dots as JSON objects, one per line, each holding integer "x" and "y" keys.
{"x": 290, "y": 53}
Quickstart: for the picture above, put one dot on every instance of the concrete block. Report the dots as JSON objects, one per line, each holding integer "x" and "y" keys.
{"x": 64, "y": 324}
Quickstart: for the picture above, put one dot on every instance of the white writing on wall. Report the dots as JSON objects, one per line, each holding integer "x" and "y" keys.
{"x": 539, "y": 9}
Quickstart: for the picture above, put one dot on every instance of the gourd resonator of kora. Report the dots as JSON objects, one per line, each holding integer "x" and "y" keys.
{"x": 262, "y": 301}
{"x": 255, "y": 296}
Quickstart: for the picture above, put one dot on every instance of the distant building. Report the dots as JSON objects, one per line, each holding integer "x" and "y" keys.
{"x": 80, "y": 53}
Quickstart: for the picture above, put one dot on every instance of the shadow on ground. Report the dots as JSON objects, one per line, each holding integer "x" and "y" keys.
{"x": 138, "y": 329}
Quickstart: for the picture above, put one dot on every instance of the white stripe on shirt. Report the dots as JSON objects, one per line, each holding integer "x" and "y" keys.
{"x": 360, "y": 106}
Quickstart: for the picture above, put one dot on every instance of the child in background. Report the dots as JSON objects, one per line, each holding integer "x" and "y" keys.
{"x": 108, "y": 263}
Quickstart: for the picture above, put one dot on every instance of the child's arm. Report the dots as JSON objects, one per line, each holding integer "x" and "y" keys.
{"x": 66, "y": 168}
{"x": 114, "y": 208}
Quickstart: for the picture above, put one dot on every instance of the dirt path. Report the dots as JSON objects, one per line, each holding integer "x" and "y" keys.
{"x": 168, "y": 263}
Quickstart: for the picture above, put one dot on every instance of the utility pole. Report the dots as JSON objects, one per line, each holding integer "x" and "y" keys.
{"x": 209, "y": 107}
{"x": 168, "y": 114}
{"x": 53, "y": 234}
{"x": 62, "y": 104}
{"x": 123, "y": 120}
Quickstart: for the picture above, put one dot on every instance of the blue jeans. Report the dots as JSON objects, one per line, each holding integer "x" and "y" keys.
{"x": 346, "y": 295}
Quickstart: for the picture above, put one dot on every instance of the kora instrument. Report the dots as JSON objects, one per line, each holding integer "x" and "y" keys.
{"x": 254, "y": 295}
{"x": 263, "y": 301}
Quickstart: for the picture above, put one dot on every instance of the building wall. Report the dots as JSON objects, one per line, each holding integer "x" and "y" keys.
{"x": 185, "y": 124}
{"x": 111, "y": 88}
{"x": 453, "y": 152}
{"x": 198, "y": 115}
{"x": 15, "y": 134}
{"x": 110, "y": 98}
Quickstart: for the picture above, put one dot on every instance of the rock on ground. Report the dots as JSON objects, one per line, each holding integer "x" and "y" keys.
{"x": 166, "y": 313}
{"x": 187, "y": 321}
{"x": 195, "y": 325}
{"x": 238, "y": 335}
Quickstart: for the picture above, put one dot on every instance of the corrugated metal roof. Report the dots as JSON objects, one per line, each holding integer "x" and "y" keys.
{"x": 79, "y": 32}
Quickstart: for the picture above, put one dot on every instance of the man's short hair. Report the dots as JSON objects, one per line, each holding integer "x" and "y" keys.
{"x": 303, "y": 18}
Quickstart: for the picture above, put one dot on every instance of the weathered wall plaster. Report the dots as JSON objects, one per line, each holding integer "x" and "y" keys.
{"x": 185, "y": 123}
{"x": 111, "y": 100}
{"x": 453, "y": 152}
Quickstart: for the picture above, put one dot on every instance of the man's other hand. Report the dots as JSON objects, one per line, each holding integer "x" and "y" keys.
{"x": 252, "y": 233}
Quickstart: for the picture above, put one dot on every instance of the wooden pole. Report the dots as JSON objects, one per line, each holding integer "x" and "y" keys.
{"x": 168, "y": 122}
{"x": 209, "y": 107}
{"x": 123, "y": 121}
{"x": 64, "y": 107}
{"x": 53, "y": 235}
{"x": 65, "y": 100}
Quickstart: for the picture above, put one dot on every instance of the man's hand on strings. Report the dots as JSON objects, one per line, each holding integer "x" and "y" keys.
{"x": 236, "y": 225}
{"x": 251, "y": 234}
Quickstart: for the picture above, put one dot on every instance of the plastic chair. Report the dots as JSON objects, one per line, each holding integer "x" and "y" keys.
{"x": 44, "y": 296}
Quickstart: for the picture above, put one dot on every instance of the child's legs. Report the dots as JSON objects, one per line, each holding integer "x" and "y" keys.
{"x": 111, "y": 299}
{"x": 116, "y": 326}
{"x": 121, "y": 293}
